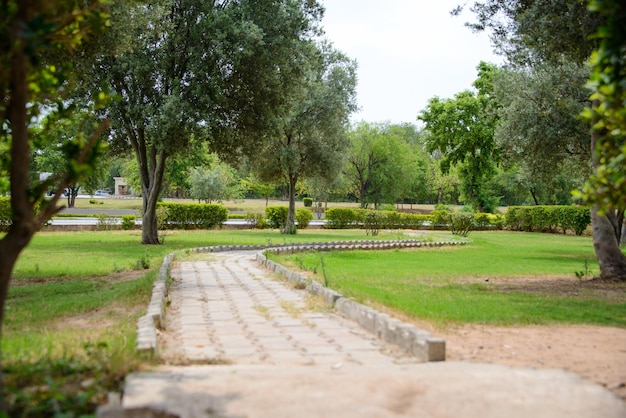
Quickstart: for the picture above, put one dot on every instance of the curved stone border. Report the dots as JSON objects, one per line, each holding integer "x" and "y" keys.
{"x": 414, "y": 341}
{"x": 148, "y": 324}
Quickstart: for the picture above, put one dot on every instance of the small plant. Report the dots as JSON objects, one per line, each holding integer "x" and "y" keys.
{"x": 105, "y": 222}
{"x": 128, "y": 222}
{"x": 142, "y": 263}
{"x": 373, "y": 222}
{"x": 584, "y": 273}
{"x": 256, "y": 220}
{"x": 323, "y": 265}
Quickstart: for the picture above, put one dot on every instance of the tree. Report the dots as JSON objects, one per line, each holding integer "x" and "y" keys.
{"x": 538, "y": 111}
{"x": 210, "y": 70}
{"x": 462, "y": 129}
{"x": 311, "y": 138}
{"x": 50, "y": 156}
{"x": 216, "y": 183}
{"x": 384, "y": 164}
{"x": 606, "y": 188}
{"x": 30, "y": 30}
{"x": 574, "y": 32}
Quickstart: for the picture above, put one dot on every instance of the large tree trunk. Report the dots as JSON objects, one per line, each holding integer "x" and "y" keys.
{"x": 290, "y": 225}
{"x": 605, "y": 236}
{"x": 151, "y": 183}
{"x": 611, "y": 259}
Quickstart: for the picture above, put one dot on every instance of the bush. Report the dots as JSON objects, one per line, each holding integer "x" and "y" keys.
{"x": 308, "y": 202}
{"x": 341, "y": 218}
{"x": 461, "y": 223}
{"x": 192, "y": 216}
{"x": 276, "y": 216}
{"x": 440, "y": 219}
{"x": 304, "y": 218}
{"x": 128, "y": 222}
{"x": 256, "y": 220}
{"x": 548, "y": 218}
{"x": 105, "y": 222}
{"x": 373, "y": 222}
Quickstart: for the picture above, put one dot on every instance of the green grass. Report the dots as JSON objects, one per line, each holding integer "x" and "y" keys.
{"x": 456, "y": 284}
{"x": 92, "y": 253}
{"x": 75, "y": 296}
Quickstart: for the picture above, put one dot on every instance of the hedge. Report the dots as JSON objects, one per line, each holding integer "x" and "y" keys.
{"x": 192, "y": 215}
{"x": 372, "y": 221}
{"x": 548, "y": 218}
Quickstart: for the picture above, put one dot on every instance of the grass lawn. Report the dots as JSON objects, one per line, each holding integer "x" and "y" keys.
{"x": 500, "y": 278}
{"x": 69, "y": 331}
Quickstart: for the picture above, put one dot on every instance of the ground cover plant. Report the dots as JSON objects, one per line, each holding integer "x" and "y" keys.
{"x": 500, "y": 278}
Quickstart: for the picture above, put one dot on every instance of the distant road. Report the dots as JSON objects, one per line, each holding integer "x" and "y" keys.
{"x": 112, "y": 212}
{"x": 78, "y": 220}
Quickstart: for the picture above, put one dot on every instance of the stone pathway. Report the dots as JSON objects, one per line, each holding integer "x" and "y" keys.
{"x": 257, "y": 347}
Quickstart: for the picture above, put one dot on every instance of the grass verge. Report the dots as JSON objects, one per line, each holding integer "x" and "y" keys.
{"x": 500, "y": 278}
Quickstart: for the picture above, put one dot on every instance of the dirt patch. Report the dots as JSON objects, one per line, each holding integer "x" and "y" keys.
{"x": 595, "y": 353}
{"x": 119, "y": 277}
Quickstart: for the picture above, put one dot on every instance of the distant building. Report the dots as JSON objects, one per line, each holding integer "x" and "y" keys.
{"x": 121, "y": 189}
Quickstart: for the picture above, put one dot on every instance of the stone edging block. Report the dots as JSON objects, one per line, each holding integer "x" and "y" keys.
{"x": 148, "y": 324}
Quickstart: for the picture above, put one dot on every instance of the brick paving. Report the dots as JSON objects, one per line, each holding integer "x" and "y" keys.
{"x": 255, "y": 347}
{"x": 229, "y": 311}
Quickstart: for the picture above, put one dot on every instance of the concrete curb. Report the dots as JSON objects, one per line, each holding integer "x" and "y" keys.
{"x": 148, "y": 324}
{"x": 411, "y": 339}
{"x": 414, "y": 341}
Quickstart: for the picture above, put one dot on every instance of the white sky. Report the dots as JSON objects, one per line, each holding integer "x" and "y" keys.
{"x": 407, "y": 52}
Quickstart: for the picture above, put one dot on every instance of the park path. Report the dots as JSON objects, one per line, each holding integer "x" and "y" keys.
{"x": 240, "y": 343}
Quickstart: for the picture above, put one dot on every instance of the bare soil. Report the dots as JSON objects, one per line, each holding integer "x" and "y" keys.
{"x": 596, "y": 353}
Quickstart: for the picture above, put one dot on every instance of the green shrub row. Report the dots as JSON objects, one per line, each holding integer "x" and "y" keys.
{"x": 341, "y": 218}
{"x": 548, "y": 218}
{"x": 372, "y": 221}
{"x": 191, "y": 216}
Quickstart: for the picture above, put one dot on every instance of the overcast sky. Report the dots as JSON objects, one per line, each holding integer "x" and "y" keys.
{"x": 407, "y": 52}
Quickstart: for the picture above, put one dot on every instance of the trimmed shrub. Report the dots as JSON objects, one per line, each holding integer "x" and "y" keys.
{"x": 440, "y": 219}
{"x": 461, "y": 223}
{"x": 308, "y": 202}
{"x": 373, "y": 221}
{"x": 341, "y": 218}
{"x": 548, "y": 218}
{"x": 304, "y": 218}
{"x": 128, "y": 222}
{"x": 192, "y": 215}
{"x": 277, "y": 216}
